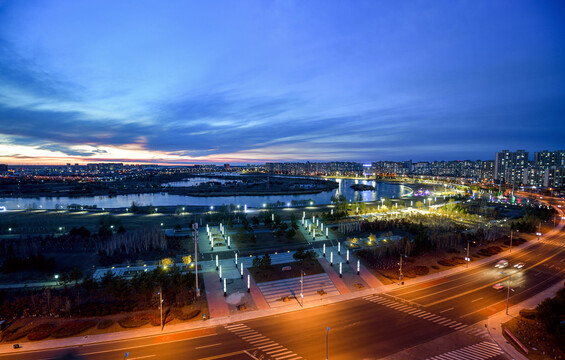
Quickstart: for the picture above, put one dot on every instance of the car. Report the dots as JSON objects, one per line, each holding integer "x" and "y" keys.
{"x": 498, "y": 286}
{"x": 519, "y": 265}
{"x": 501, "y": 264}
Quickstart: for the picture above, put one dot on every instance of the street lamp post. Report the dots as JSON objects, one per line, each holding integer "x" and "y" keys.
{"x": 161, "y": 306}
{"x": 327, "y": 339}
{"x": 195, "y": 228}
{"x": 467, "y": 258}
{"x": 302, "y": 288}
{"x": 508, "y": 294}
{"x": 400, "y": 271}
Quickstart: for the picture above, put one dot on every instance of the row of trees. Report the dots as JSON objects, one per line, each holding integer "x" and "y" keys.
{"x": 112, "y": 294}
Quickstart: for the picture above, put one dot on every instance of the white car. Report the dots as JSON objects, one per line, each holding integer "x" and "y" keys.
{"x": 519, "y": 265}
{"x": 498, "y": 286}
{"x": 501, "y": 264}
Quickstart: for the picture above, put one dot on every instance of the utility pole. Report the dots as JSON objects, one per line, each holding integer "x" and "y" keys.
{"x": 195, "y": 228}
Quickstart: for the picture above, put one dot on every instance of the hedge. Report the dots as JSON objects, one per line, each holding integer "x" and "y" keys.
{"x": 22, "y": 332}
{"x": 72, "y": 328}
{"x": 106, "y": 323}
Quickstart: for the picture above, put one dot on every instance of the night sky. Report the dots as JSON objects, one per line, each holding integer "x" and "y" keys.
{"x": 180, "y": 82}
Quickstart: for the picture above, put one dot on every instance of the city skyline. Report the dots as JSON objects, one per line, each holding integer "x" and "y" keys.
{"x": 251, "y": 82}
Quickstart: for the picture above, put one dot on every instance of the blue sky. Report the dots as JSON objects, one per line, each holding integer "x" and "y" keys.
{"x": 183, "y": 82}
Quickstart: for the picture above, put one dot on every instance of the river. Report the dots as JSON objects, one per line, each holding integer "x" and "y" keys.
{"x": 163, "y": 199}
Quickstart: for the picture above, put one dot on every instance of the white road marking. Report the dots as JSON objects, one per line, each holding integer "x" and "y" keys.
{"x": 207, "y": 346}
{"x": 446, "y": 310}
{"x": 476, "y": 299}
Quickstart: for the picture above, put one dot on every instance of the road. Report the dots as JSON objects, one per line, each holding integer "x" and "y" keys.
{"x": 405, "y": 319}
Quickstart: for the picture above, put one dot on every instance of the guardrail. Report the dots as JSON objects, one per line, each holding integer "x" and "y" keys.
{"x": 516, "y": 341}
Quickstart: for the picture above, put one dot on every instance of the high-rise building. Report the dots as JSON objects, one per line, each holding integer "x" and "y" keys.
{"x": 509, "y": 166}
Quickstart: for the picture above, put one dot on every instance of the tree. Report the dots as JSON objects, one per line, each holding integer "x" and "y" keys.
{"x": 290, "y": 233}
{"x": 255, "y": 220}
{"x": 266, "y": 261}
{"x": 419, "y": 204}
{"x": 167, "y": 262}
{"x": 75, "y": 275}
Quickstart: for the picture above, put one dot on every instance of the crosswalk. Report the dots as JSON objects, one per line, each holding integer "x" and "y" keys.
{"x": 262, "y": 343}
{"x": 478, "y": 332}
{"x": 313, "y": 285}
{"x": 481, "y": 351}
{"x": 411, "y": 310}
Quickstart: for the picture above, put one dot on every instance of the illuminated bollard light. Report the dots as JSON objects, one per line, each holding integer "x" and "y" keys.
{"x": 236, "y": 260}
{"x": 272, "y": 217}
{"x": 332, "y": 211}
{"x": 229, "y": 242}
{"x": 216, "y": 262}
{"x": 340, "y": 264}
{"x": 327, "y": 234}
{"x": 348, "y": 256}
{"x": 220, "y": 272}
{"x": 241, "y": 269}
{"x": 313, "y": 219}
{"x": 339, "y": 248}
{"x": 324, "y": 250}
{"x": 358, "y": 266}
{"x": 332, "y": 259}
{"x": 225, "y": 290}
{"x": 248, "y": 283}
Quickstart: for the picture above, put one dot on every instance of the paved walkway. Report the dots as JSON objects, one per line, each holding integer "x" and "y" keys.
{"x": 215, "y": 296}
{"x": 273, "y": 291}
